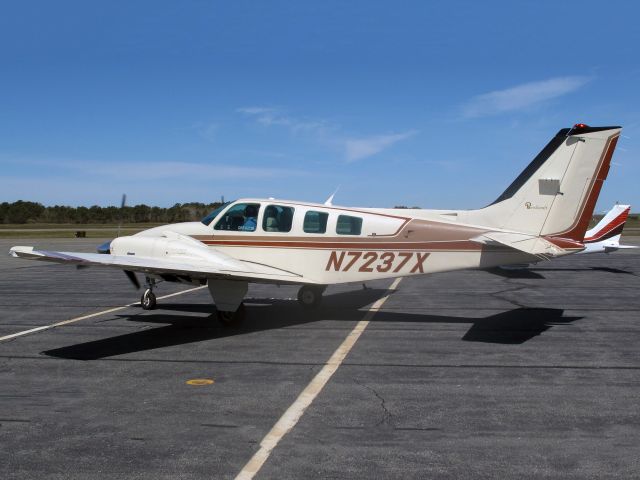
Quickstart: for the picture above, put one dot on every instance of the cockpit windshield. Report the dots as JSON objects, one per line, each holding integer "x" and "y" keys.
{"x": 209, "y": 218}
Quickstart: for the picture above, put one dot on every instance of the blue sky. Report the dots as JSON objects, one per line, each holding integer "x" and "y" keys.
{"x": 438, "y": 105}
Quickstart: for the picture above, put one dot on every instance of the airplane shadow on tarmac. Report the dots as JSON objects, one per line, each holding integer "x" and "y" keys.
{"x": 536, "y": 273}
{"x": 510, "y": 327}
{"x": 588, "y": 269}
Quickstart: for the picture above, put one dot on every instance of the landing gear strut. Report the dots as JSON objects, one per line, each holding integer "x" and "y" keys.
{"x": 310, "y": 296}
{"x": 148, "y": 299}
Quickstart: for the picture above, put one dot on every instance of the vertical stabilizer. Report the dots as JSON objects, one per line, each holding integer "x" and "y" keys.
{"x": 610, "y": 225}
{"x": 556, "y": 194}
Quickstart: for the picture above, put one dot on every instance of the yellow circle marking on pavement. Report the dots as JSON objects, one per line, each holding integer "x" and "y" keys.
{"x": 200, "y": 381}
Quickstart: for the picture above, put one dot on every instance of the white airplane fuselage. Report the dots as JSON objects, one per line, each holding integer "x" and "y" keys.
{"x": 604, "y": 246}
{"x": 391, "y": 243}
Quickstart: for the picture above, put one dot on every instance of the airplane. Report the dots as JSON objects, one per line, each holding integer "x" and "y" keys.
{"x": 543, "y": 214}
{"x": 605, "y": 236}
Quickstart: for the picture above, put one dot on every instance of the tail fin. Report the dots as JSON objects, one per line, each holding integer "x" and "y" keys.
{"x": 556, "y": 194}
{"x": 610, "y": 226}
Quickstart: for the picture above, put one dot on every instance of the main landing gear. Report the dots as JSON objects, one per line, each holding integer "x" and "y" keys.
{"x": 230, "y": 318}
{"x": 148, "y": 299}
{"x": 228, "y": 296}
{"x": 310, "y": 296}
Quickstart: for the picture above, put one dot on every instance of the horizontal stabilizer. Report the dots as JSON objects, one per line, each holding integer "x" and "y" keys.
{"x": 531, "y": 244}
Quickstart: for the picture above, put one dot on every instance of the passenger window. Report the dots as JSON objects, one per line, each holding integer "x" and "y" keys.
{"x": 315, "y": 222}
{"x": 348, "y": 225}
{"x": 242, "y": 217}
{"x": 277, "y": 219}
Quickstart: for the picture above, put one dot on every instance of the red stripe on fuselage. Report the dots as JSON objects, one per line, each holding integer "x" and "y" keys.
{"x": 341, "y": 245}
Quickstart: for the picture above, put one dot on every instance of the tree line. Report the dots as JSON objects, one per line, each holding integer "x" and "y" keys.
{"x": 22, "y": 212}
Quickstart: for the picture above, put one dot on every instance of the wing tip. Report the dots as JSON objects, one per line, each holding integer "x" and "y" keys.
{"x": 19, "y": 251}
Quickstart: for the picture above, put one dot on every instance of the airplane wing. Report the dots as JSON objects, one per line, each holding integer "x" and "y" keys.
{"x": 211, "y": 264}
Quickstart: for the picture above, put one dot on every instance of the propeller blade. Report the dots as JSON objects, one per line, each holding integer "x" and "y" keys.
{"x": 132, "y": 277}
{"x": 124, "y": 200}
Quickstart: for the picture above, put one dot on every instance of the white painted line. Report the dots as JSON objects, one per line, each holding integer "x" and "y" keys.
{"x": 91, "y": 315}
{"x": 293, "y": 414}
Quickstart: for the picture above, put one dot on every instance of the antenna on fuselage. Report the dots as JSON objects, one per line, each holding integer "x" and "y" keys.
{"x": 329, "y": 201}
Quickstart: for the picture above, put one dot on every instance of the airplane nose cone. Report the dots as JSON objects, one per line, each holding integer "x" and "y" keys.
{"x": 105, "y": 247}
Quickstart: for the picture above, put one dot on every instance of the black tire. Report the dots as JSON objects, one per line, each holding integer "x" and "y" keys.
{"x": 148, "y": 300}
{"x": 232, "y": 319}
{"x": 310, "y": 297}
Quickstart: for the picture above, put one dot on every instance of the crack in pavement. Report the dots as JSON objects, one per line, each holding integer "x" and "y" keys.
{"x": 387, "y": 416}
{"x": 499, "y": 295}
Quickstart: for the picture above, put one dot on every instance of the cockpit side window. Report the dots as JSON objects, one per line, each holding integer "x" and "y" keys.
{"x": 348, "y": 225}
{"x": 242, "y": 217}
{"x": 211, "y": 217}
{"x": 315, "y": 222}
{"x": 277, "y": 218}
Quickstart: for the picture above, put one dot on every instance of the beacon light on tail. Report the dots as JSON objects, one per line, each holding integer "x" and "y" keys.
{"x": 543, "y": 214}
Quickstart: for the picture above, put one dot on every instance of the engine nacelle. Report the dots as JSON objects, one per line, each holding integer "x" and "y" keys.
{"x": 150, "y": 247}
{"x": 176, "y": 247}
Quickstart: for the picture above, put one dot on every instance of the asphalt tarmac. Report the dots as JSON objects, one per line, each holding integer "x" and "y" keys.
{"x": 459, "y": 375}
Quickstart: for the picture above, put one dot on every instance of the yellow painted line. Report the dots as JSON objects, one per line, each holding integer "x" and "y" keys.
{"x": 293, "y": 414}
{"x": 200, "y": 381}
{"x": 85, "y": 317}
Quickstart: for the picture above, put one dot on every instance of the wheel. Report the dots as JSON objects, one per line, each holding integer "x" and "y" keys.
{"x": 230, "y": 319}
{"x": 148, "y": 300}
{"x": 310, "y": 297}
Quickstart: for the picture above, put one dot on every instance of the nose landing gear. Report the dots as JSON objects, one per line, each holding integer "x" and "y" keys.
{"x": 148, "y": 299}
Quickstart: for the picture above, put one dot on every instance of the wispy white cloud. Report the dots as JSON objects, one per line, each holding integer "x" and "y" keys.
{"x": 269, "y": 116}
{"x": 254, "y": 110}
{"x": 178, "y": 170}
{"x": 521, "y": 96}
{"x": 326, "y": 132}
{"x": 202, "y": 171}
{"x": 208, "y": 131}
{"x": 359, "y": 148}
{"x": 74, "y": 182}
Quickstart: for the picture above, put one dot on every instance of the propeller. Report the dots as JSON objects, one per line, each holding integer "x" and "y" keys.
{"x": 132, "y": 277}
{"x": 106, "y": 246}
{"x": 124, "y": 200}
